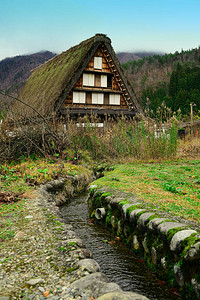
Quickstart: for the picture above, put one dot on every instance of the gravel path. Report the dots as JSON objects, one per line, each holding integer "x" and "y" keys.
{"x": 41, "y": 260}
{"x": 46, "y": 259}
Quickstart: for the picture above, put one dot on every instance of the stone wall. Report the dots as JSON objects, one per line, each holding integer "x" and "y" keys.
{"x": 85, "y": 281}
{"x": 62, "y": 189}
{"x": 169, "y": 245}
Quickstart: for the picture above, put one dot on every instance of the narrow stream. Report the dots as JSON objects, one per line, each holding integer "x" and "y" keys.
{"x": 116, "y": 260}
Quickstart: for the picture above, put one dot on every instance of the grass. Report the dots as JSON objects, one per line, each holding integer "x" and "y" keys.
{"x": 173, "y": 186}
{"x": 11, "y": 220}
{"x": 20, "y": 177}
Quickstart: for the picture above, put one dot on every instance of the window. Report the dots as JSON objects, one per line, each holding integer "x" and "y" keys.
{"x": 98, "y": 63}
{"x": 103, "y": 80}
{"x": 97, "y": 98}
{"x": 114, "y": 99}
{"x": 79, "y": 97}
{"x": 88, "y": 79}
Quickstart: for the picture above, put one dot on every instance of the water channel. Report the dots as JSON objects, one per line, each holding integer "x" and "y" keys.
{"x": 117, "y": 261}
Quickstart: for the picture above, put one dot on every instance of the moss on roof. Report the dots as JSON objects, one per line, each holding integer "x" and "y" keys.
{"x": 48, "y": 81}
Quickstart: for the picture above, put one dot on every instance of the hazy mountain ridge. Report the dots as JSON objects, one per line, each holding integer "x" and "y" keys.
{"x": 126, "y": 56}
{"x": 16, "y": 70}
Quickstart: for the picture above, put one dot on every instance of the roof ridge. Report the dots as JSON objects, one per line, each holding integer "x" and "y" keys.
{"x": 98, "y": 37}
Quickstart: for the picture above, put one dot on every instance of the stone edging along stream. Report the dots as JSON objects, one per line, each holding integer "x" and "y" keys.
{"x": 85, "y": 276}
{"x": 169, "y": 245}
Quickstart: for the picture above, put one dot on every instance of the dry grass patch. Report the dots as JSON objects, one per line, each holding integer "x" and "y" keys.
{"x": 189, "y": 147}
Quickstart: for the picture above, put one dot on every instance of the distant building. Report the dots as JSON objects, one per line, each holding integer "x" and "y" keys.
{"x": 87, "y": 78}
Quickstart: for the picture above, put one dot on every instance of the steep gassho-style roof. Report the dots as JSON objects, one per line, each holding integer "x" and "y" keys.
{"x": 51, "y": 82}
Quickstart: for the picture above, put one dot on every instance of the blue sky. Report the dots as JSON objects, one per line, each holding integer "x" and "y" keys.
{"x": 30, "y": 26}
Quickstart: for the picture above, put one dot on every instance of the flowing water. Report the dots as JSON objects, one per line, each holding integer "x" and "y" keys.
{"x": 115, "y": 259}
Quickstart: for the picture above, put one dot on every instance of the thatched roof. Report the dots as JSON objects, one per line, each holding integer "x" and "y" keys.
{"x": 50, "y": 83}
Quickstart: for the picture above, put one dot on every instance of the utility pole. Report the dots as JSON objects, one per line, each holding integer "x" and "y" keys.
{"x": 191, "y": 115}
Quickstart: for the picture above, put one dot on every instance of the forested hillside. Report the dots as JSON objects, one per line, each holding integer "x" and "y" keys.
{"x": 172, "y": 79}
{"x": 14, "y": 71}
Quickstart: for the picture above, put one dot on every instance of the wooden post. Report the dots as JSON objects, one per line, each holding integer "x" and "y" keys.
{"x": 191, "y": 116}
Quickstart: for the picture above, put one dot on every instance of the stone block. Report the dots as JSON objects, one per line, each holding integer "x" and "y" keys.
{"x": 178, "y": 275}
{"x": 101, "y": 288}
{"x": 165, "y": 227}
{"x": 178, "y": 238}
{"x": 113, "y": 223}
{"x": 144, "y": 244}
{"x": 143, "y": 220}
{"x": 122, "y": 296}
{"x": 119, "y": 227}
{"x": 136, "y": 244}
{"x": 81, "y": 253}
{"x": 88, "y": 282}
{"x": 193, "y": 253}
{"x": 196, "y": 287}
{"x": 134, "y": 213}
{"x": 124, "y": 209}
{"x": 153, "y": 224}
{"x": 89, "y": 265}
{"x": 154, "y": 256}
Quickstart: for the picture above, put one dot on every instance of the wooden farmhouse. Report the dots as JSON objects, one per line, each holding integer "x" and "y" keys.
{"x": 87, "y": 78}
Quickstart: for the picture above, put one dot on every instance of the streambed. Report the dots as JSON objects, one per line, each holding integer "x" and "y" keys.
{"x": 120, "y": 264}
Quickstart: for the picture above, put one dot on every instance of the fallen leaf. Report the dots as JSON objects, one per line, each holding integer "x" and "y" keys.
{"x": 174, "y": 292}
{"x": 140, "y": 260}
{"x": 160, "y": 282}
{"x": 111, "y": 242}
{"x": 118, "y": 238}
{"x": 91, "y": 220}
{"x": 46, "y": 294}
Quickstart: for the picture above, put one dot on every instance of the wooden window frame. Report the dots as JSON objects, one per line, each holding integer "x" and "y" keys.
{"x": 88, "y": 79}
{"x": 81, "y": 99}
{"x": 114, "y": 99}
{"x": 100, "y": 98}
{"x": 98, "y": 62}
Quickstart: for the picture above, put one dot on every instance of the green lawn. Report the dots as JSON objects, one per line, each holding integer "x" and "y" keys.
{"x": 172, "y": 185}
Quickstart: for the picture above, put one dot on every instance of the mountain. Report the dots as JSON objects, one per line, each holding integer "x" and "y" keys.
{"x": 170, "y": 79}
{"x": 151, "y": 70}
{"x": 126, "y": 56}
{"x": 16, "y": 70}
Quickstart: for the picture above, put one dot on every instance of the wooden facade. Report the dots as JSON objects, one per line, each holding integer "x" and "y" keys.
{"x": 100, "y": 87}
{"x": 87, "y": 78}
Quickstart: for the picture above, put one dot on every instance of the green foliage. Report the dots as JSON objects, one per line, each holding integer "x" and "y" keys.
{"x": 183, "y": 88}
